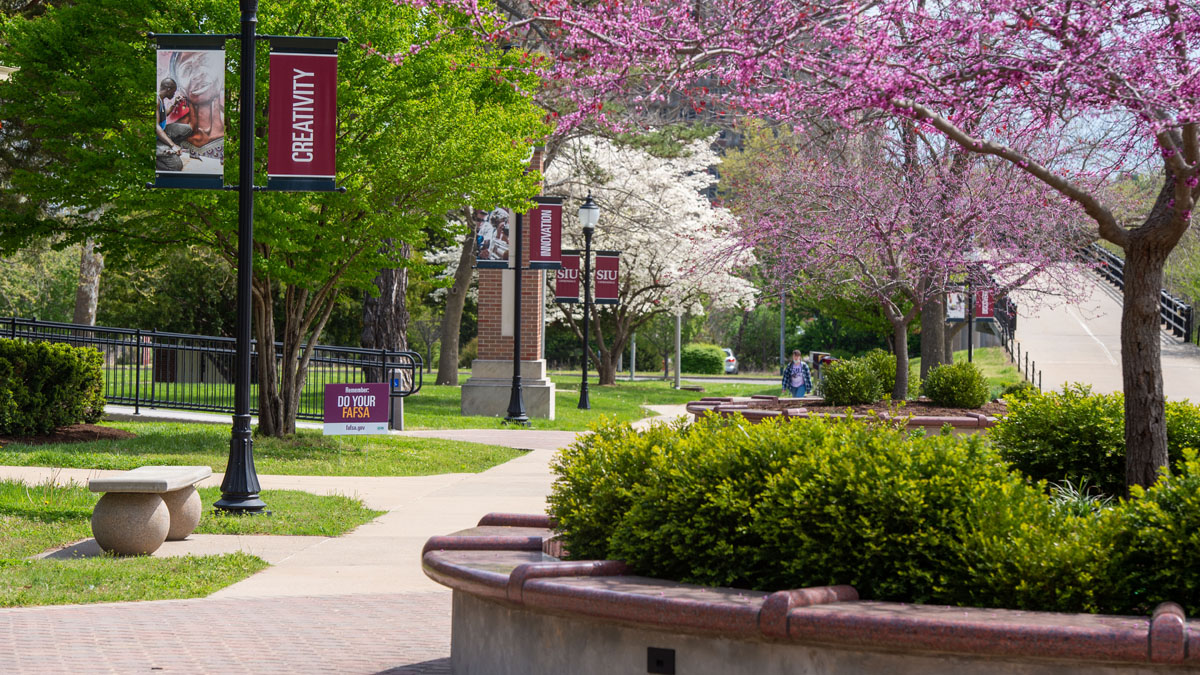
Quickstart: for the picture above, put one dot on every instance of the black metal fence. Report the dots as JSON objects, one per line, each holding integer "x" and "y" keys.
{"x": 196, "y": 372}
{"x": 1177, "y": 316}
{"x": 1006, "y": 321}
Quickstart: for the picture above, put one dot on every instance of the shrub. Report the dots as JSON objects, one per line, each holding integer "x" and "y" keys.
{"x": 850, "y": 382}
{"x": 596, "y": 476}
{"x": 788, "y": 504}
{"x": 1018, "y": 389}
{"x": 468, "y": 353}
{"x": 44, "y": 386}
{"x": 959, "y": 385}
{"x": 1078, "y": 436}
{"x": 883, "y": 364}
{"x": 1155, "y": 542}
{"x": 702, "y": 359}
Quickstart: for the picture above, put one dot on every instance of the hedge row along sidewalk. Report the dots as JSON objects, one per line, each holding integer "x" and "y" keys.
{"x": 936, "y": 519}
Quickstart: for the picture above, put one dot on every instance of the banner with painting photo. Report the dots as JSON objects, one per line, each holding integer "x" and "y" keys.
{"x": 189, "y": 123}
{"x": 492, "y": 233}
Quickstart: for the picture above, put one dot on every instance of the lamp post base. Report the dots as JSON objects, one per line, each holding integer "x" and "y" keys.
{"x": 584, "y": 402}
{"x": 239, "y": 488}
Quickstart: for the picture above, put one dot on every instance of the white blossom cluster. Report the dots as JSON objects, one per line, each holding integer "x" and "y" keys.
{"x": 673, "y": 242}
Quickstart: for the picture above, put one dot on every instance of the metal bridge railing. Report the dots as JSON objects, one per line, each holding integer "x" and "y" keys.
{"x": 196, "y": 372}
{"x": 1177, "y": 316}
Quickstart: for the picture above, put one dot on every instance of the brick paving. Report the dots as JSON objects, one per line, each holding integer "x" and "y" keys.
{"x": 401, "y": 634}
{"x": 355, "y": 604}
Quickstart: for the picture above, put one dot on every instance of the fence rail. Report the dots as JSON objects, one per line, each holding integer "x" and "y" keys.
{"x": 1177, "y": 316}
{"x": 1006, "y": 320}
{"x": 196, "y": 372}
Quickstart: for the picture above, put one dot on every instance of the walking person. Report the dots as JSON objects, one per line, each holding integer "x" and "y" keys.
{"x": 797, "y": 378}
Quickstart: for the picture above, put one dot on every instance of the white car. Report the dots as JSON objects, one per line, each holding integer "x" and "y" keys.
{"x": 731, "y": 364}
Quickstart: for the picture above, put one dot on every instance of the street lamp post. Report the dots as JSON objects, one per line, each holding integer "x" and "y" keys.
{"x": 589, "y": 215}
{"x": 239, "y": 488}
{"x": 516, "y": 400}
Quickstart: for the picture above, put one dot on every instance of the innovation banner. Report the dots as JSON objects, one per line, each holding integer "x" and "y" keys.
{"x": 302, "y": 114}
{"x": 566, "y": 280}
{"x": 189, "y": 123}
{"x": 545, "y": 234}
{"x": 607, "y": 289}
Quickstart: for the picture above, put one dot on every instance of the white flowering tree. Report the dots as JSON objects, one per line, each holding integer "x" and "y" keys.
{"x": 654, "y": 210}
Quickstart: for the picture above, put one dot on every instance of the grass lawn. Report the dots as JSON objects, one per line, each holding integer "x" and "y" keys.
{"x": 307, "y": 454}
{"x": 991, "y": 360}
{"x": 34, "y": 518}
{"x": 436, "y": 407}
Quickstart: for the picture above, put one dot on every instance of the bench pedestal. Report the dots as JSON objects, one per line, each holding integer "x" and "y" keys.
{"x": 131, "y": 523}
{"x": 145, "y": 507}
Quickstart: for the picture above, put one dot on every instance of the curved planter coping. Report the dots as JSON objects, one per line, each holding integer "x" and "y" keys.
{"x": 506, "y": 564}
{"x": 728, "y": 406}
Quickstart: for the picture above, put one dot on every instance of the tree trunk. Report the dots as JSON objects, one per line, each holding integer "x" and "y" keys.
{"x": 87, "y": 292}
{"x": 456, "y": 298}
{"x": 900, "y": 349}
{"x": 1141, "y": 366}
{"x": 933, "y": 335}
{"x": 951, "y": 333}
{"x": 270, "y": 404}
{"x": 385, "y": 318}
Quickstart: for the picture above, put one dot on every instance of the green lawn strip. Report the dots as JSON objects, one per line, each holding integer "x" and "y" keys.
{"x": 992, "y": 361}
{"x": 437, "y": 407}
{"x": 71, "y": 582}
{"x": 35, "y": 518}
{"x": 293, "y": 512}
{"x": 307, "y": 454}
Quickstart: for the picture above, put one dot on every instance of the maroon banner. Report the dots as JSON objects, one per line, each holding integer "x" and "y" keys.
{"x": 545, "y": 234}
{"x": 985, "y": 304}
{"x": 302, "y": 121}
{"x": 566, "y": 280}
{"x": 607, "y": 289}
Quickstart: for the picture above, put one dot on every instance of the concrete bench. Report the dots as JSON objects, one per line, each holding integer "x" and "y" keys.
{"x": 144, "y": 507}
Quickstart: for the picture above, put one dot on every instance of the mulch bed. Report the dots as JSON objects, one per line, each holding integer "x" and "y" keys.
{"x": 915, "y": 408}
{"x": 76, "y": 433}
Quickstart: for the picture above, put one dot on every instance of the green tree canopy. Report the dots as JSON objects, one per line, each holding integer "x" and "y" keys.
{"x": 448, "y": 127}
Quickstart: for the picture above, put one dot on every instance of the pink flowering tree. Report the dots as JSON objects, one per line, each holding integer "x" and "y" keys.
{"x": 901, "y": 229}
{"x": 1073, "y": 87}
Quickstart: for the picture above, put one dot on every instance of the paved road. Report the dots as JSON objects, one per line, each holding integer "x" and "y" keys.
{"x": 1082, "y": 343}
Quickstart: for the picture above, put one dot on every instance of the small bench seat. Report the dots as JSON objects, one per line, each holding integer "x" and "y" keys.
{"x": 156, "y": 479}
{"x": 146, "y": 506}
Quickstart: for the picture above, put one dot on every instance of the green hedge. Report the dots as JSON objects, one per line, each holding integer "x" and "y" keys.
{"x": 959, "y": 385}
{"x": 883, "y": 364}
{"x": 851, "y": 382}
{"x": 45, "y": 386}
{"x": 1078, "y": 436}
{"x": 702, "y": 359}
{"x": 937, "y": 519}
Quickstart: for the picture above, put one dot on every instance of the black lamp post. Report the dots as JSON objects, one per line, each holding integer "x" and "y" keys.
{"x": 589, "y": 215}
{"x": 239, "y": 488}
{"x": 516, "y": 401}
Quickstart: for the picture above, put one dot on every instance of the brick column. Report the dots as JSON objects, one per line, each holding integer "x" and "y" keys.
{"x": 493, "y": 366}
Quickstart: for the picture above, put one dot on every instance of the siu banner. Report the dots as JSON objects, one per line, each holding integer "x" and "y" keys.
{"x": 302, "y": 117}
{"x": 566, "y": 280}
{"x": 608, "y": 289}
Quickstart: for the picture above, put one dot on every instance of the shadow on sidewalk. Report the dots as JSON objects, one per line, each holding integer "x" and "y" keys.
{"x": 434, "y": 667}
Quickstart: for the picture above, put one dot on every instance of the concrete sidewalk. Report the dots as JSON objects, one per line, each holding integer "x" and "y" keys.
{"x": 356, "y": 604}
